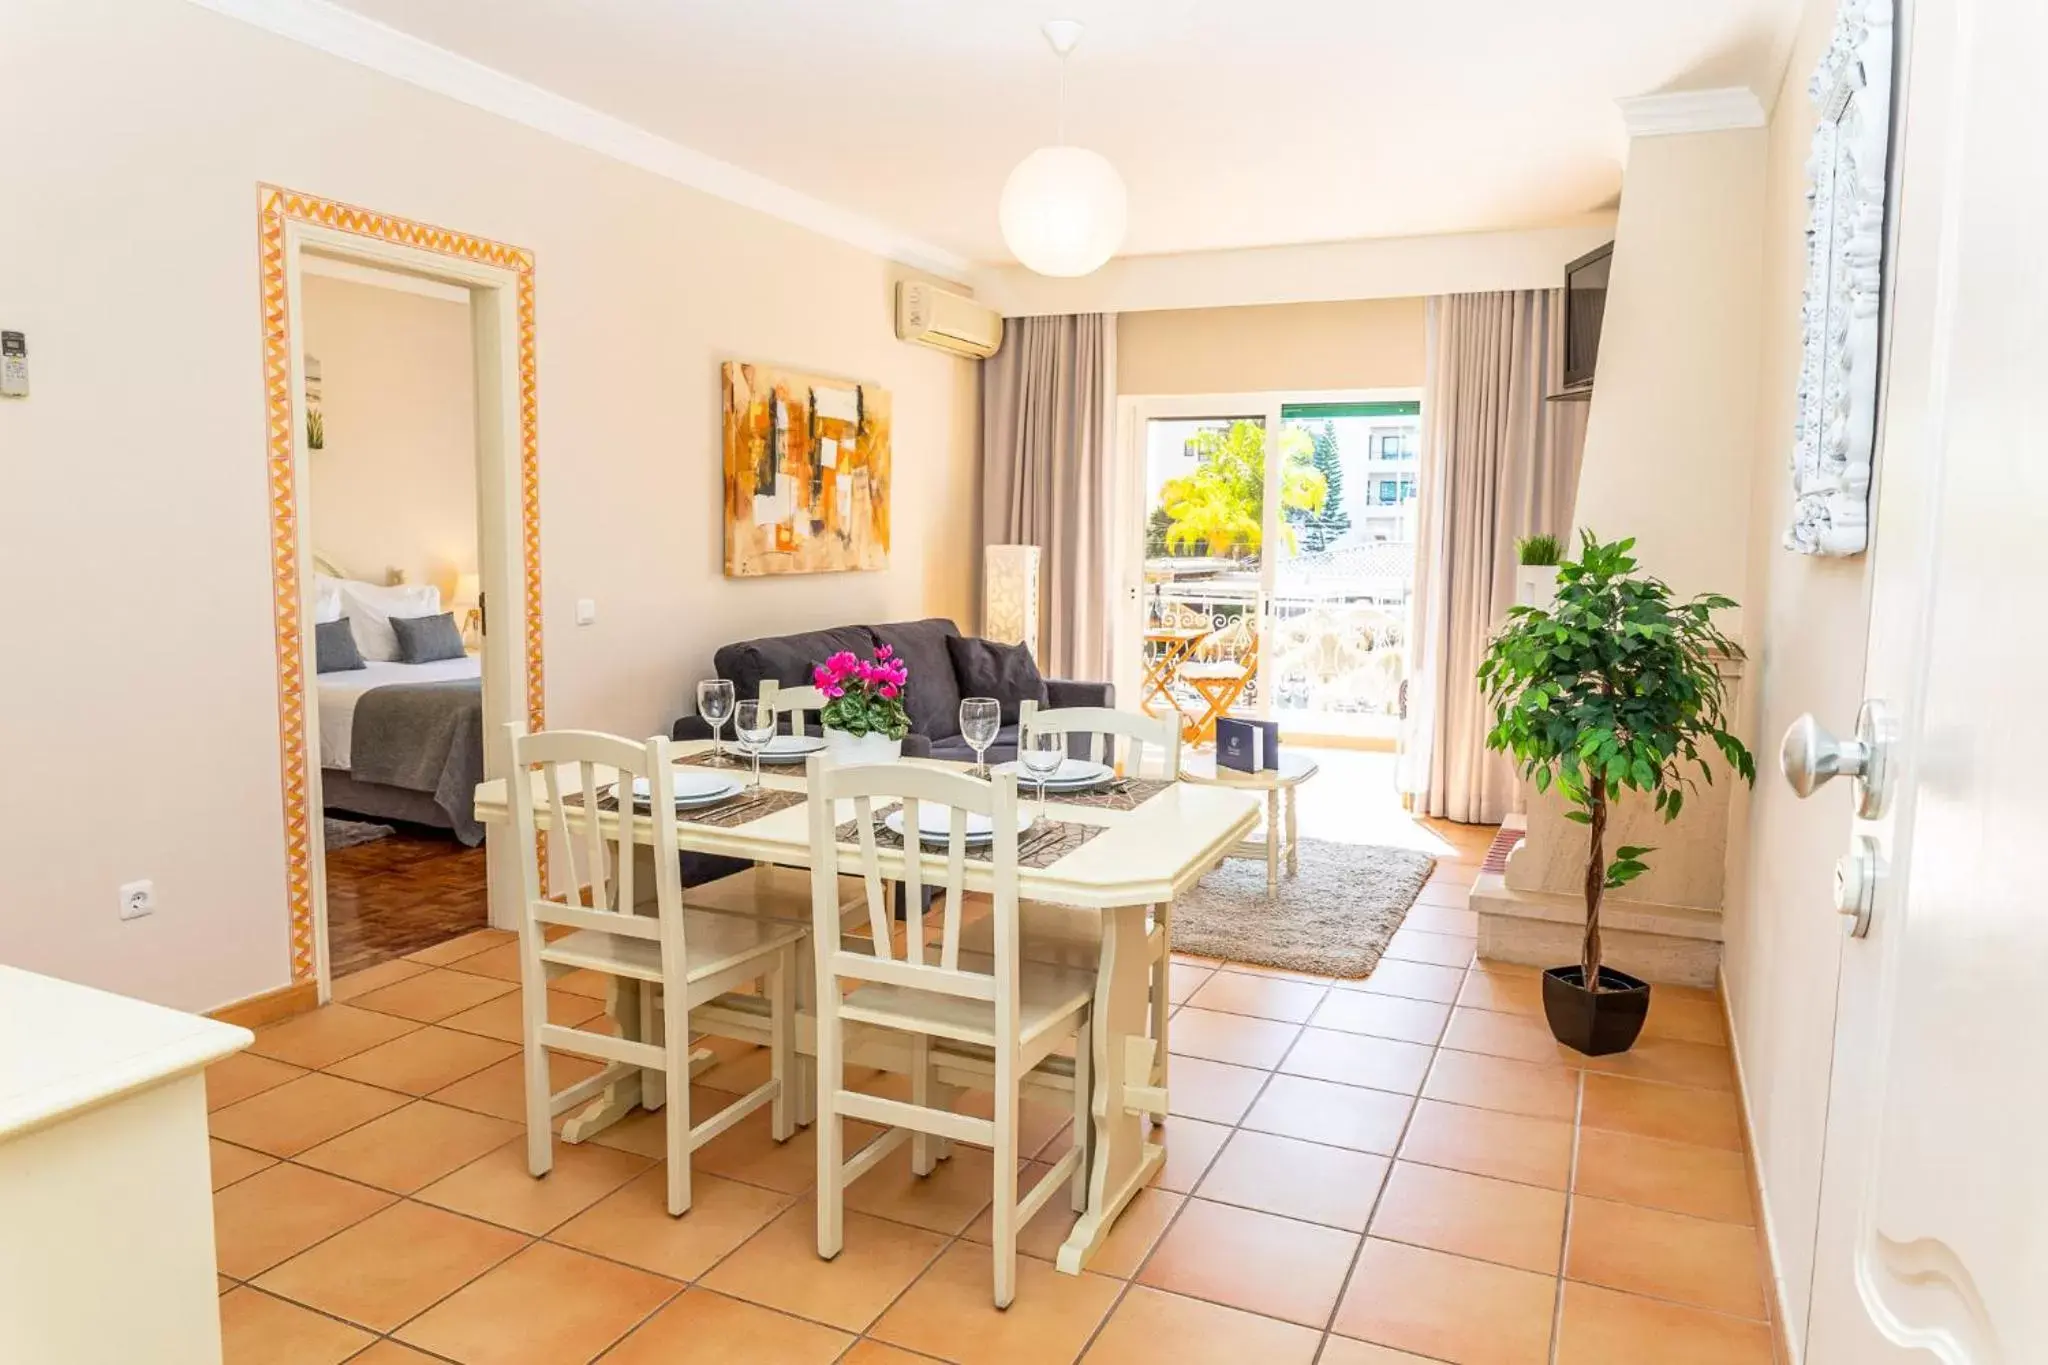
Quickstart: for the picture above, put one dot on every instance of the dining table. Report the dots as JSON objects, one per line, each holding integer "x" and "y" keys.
{"x": 1126, "y": 858}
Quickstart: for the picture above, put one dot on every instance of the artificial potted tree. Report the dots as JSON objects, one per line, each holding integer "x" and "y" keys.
{"x": 1614, "y": 687}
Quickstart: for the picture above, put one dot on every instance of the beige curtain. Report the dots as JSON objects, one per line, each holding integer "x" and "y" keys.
{"x": 1048, "y": 417}
{"x": 1498, "y": 463}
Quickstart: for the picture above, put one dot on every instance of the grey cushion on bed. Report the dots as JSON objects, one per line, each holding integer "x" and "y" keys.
{"x": 427, "y": 639}
{"x": 334, "y": 647}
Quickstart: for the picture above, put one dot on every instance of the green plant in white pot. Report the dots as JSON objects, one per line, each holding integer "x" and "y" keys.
{"x": 1536, "y": 559}
{"x": 1615, "y": 687}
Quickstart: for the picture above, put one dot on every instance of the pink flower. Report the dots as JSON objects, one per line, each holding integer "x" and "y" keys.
{"x": 821, "y": 676}
{"x": 884, "y": 652}
{"x": 889, "y": 690}
{"x": 834, "y": 692}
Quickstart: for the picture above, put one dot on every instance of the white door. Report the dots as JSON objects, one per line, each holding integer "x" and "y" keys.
{"x": 1933, "y": 1233}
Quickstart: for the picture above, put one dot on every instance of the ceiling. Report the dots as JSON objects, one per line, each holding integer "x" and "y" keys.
{"x": 1236, "y": 123}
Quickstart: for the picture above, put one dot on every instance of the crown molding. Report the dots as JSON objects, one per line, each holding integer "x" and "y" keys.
{"x": 1691, "y": 111}
{"x": 365, "y": 42}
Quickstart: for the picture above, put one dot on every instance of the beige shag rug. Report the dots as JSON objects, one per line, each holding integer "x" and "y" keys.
{"x": 1334, "y": 918}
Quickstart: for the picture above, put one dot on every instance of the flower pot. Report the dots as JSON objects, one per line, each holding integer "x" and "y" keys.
{"x": 1595, "y": 1022}
{"x": 847, "y": 749}
{"x": 1536, "y": 586}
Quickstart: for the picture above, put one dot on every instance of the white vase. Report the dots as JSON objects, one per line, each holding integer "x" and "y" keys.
{"x": 847, "y": 749}
{"x": 1536, "y": 586}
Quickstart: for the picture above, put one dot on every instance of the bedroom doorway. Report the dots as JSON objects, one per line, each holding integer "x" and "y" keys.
{"x": 305, "y": 240}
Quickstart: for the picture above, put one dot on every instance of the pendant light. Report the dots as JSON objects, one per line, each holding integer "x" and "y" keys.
{"x": 1063, "y": 208}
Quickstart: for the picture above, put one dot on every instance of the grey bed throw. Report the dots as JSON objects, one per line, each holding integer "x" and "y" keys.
{"x": 425, "y": 737}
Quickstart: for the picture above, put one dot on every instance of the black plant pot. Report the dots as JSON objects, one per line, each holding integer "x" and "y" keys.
{"x": 1595, "y": 1022}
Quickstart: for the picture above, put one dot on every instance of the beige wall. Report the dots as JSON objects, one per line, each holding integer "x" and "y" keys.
{"x": 138, "y": 710}
{"x": 1362, "y": 344}
{"x": 1808, "y": 622}
{"x": 395, "y": 485}
{"x": 1673, "y": 414}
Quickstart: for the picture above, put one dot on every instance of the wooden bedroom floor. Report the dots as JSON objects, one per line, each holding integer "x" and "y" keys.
{"x": 399, "y": 895}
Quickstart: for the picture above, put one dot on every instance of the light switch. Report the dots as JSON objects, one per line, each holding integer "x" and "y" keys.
{"x": 586, "y": 611}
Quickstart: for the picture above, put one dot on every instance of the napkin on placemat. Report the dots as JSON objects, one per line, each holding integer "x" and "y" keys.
{"x": 741, "y": 809}
{"x": 1042, "y": 845}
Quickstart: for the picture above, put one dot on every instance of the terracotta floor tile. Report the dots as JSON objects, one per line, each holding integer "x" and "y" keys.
{"x": 1674, "y": 1113}
{"x": 1214, "y": 1092}
{"x": 595, "y": 985}
{"x": 1264, "y": 997}
{"x": 503, "y": 1019}
{"x": 1684, "y": 1019}
{"x": 433, "y": 996}
{"x": 1523, "y": 1037}
{"x": 391, "y": 1266}
{"x": 257, "y": 1329}
{"x": 1412, "y": 980}
{"x": 455, "y": 949}
{"x": 370, "y": 978}
{"x": 1259, "y": 1262}
{"x": 1041, "y": 1125}
{"x": 410, "y": 1148}
{"x": 1454, "y": 894}
{"x": 746, "y": 1071}
{"x": 497, "y": 1188}
{"x": 951, "y": 1312}
{"x": 300, "y": 1114}
{"x": 1706, "y": 1066}
{"x": 1472, "y": 1215}
{"x": 1130, "y": 1241}
{"x": 1706, "y": 1182}
{"x": 1487, "y": 987}
{"x": 633, "y": 1224}
{"x": 1305, "y": 1180}
{"x": 1544, "y": 1092}
{"x": 324, "y": 1036}
{"x": 1490, "y": 1142}
{"x": 748, "y": 1152}
{"x": 1666, "y": 1256}
{"x": 235, "y": 1078}
{"x": 780, "y": 1268}
{"x": 424, "y": 1060}
{"x": 1356, "y": 1059}
{"x": 276, "y": 1214}
{"x": 501, "y": 962}
{"x": 1150, "y": 1326}
{"x": 945, "y": 1201}
{"x": 1602, "y": 1327}
{"x": 231, "y": 1163}
{"x": 1446, "y": 1307}
{"x": 546, "y": 1306}
{"x": 703, "y": 1328}
{"x": 1384, "y": 1016}
{"x": 1323, "y": 1111}
{"x": 388, "y": 1352}
{"x": 867, "y": 1352}
{"x": 1184, "y": 978}
{"x": 500, "y": 1089}
{"x": 1235, "y": 1038}
{"x": 1441, "y": 950}
{"x": 1190, "y": 1146}
{"x": 1442, "y": 919}
{"x": 644, "y": 1131}
{"x": 1345, "y": 1351}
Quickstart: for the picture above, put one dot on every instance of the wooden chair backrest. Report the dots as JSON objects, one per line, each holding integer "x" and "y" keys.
{"x": 1146, "y": 734}
{"x": 792, "y": 702}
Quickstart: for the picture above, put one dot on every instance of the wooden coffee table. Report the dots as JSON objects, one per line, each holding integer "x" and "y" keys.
{"x": 1279, "y": 785}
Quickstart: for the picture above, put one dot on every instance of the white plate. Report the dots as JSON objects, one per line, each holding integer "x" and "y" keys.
{"x": 791, "y": 748}
{"x": 935, "y": 824}
{"x": 1072, "y": 774}
{"x": 693, "y": 788}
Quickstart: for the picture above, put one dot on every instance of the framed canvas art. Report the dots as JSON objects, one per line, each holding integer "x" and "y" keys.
{"x": 806, "y": 473}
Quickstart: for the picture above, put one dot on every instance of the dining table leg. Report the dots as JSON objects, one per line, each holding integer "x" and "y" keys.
{"x": 1272, "y": 843}
{"x": 1121, "y": 1157}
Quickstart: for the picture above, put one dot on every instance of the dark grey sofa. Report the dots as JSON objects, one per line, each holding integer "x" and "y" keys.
{"x": 932, "y": 698}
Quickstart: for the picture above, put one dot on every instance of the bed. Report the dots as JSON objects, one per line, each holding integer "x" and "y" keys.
{"x": 402, "y": 741}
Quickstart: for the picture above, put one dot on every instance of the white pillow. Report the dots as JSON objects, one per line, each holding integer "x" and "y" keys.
{"x": 326, "y": 601}
{"x": 370, "y": 607}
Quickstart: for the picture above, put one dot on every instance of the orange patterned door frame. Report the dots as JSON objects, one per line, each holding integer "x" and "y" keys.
{"x": 277, "y": 209}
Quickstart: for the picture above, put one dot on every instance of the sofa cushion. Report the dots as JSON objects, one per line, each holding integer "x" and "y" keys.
{"x": 1008, "y": 673}
{"x": 933, "y": 694}
{"x": 788, "y": 659}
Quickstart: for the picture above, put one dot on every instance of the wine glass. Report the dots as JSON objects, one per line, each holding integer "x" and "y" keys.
{"x": 1040, "y": 754}
{"x": 754, "y": 723}
{"x": 714, "y": 704}
{"x": 980, "y": 718}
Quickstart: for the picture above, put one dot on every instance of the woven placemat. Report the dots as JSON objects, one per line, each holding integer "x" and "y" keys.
{"x": 1126, "y": 793}
{"x": 710, "y": 758}
{"x": 742, "y": 809}
{"x": 1042, "y": 845}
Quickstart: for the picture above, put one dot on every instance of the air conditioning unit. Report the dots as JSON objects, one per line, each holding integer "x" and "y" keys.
{"x": 931, "y": 316}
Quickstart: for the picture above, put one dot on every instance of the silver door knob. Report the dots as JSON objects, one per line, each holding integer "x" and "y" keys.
{"x": 1856, "y": 877}
{"x": 1811, "y": 756}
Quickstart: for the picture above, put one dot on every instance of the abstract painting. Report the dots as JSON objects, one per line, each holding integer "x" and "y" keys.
{"x": 806, "y": 473}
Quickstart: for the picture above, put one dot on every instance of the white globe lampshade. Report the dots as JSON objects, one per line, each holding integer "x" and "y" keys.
{"x": 1063, "y": 211}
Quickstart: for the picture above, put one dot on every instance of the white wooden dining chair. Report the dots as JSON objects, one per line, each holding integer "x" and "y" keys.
{"x": 1065, "y": 934}
{"x": 1021, "y": 1012}
{"x": 689, "y": 956}
{"x": 794, "y": 702}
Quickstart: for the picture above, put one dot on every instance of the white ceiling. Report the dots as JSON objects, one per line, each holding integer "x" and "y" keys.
{"x": 1235, "y": 123}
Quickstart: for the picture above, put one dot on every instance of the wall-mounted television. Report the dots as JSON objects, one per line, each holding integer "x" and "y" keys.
{"x": 1585, "y": 301}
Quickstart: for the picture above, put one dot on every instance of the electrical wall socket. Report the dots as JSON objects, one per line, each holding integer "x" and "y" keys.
{"x": 138, "y": 899}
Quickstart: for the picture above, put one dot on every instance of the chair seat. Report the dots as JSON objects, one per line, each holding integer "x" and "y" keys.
{"x": 770, "y": 893}
{"x": 1046, "y": 996}
{"x": 714, "y": 943}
